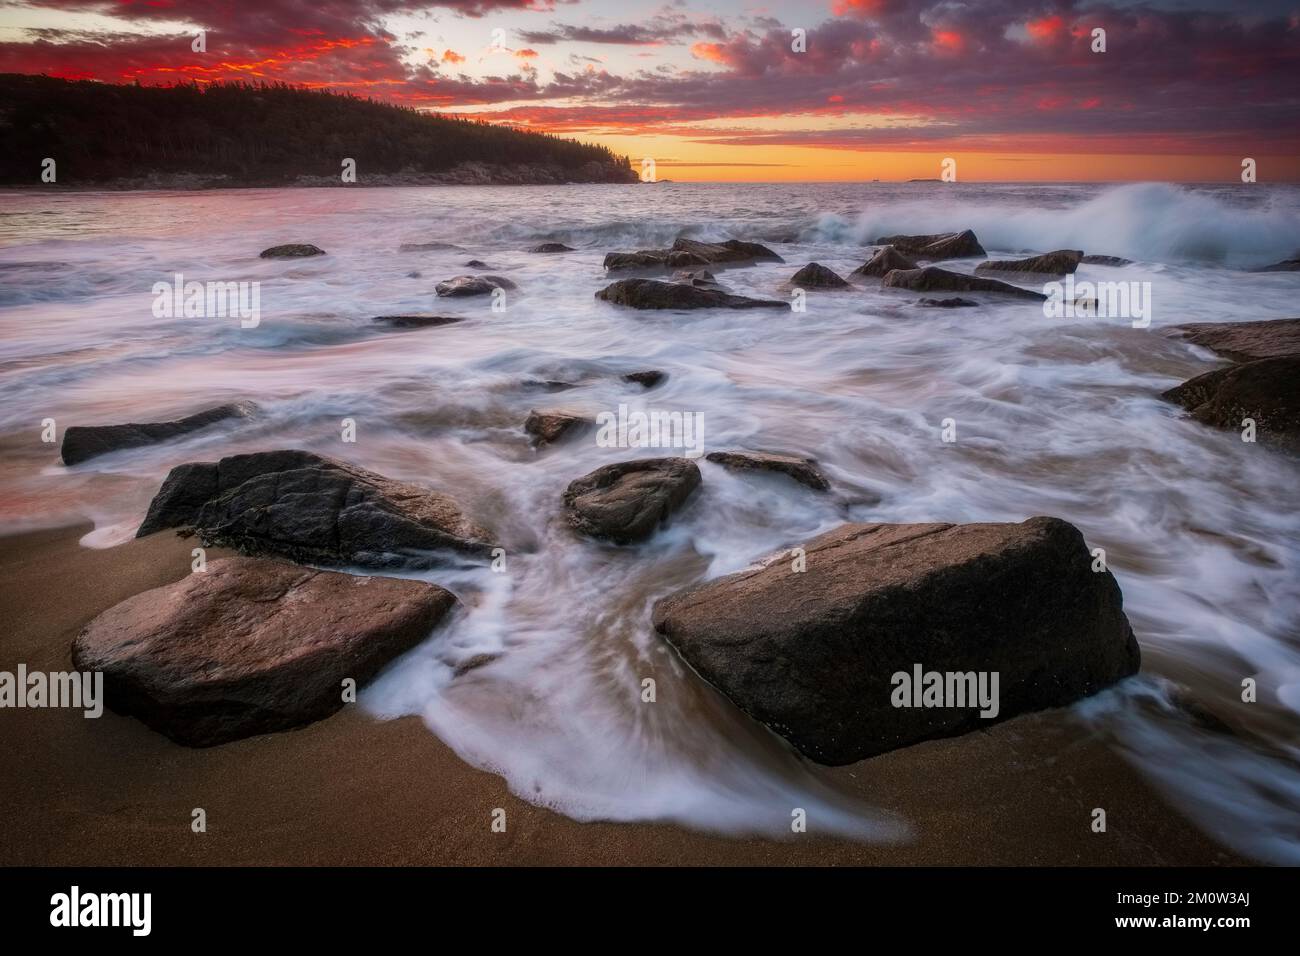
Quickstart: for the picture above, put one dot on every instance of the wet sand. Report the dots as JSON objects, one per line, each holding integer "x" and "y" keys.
{"x": 355, "y": 790}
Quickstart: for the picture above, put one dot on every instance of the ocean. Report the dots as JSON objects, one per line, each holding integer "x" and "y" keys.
{"x": 1052, "y": 416}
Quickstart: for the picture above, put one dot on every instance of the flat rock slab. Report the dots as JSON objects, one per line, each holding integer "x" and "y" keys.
{"x": 292, "y": 250}
{"x": 686, "y": 253}
{"x": 311, "y": 508}
{"x": 944, "y": 245}
{"x": 1059, "y": 263}
{"x": 1266, "y": 391}
{"x": 934, "y": 279}
{"x": 812, "y": 653}
{"x": 802, "y": 470}
{"x": 628, "y": 501}
{"x": 654, "y": 294}
{"x": 1244, "y": 341}
{"x": 252, "y": 646}
{"x": 82, "y": 442}
{"x": 416, "y": 321}
{"x": 1106, "y": 261}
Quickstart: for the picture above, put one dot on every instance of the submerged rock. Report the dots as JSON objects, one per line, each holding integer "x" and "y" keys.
{"x": 472, "y": 285}
{"x": 654, "y": 294}
{"x": 954, "y": 302}
{"x": 947, "y": 245}
{"x": 627, "y": 501}
{"x": 429, "y": 247}
{"x": 690, "y": 252}
{"x": 813, "y": 654}
{"x": 292, "y": 250}
{"x": 1058, "y": 263}
{"x": 802, "y": 470}
{"x": 1106, "y": 261}
{"x": 551, "y": 247}
{"x": 252, "y": 646}
{"x": 647, "y": 379}
{"x": 477, "y": 264}
{"x": 547, "y": 428}
{"x": 311, "y": 508}
{"x": 416, "y": 321}
{"x": 1244, "y": 341}
{"x": 934, "y": 279}
{"x": 83, "y": 442}
{"x": 1266, "y": 391}
{"x": 816, "y": 276}
{"x": 885, "y": 261}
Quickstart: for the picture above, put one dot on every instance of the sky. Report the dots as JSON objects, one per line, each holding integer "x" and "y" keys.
{"x": 732, "y": 90}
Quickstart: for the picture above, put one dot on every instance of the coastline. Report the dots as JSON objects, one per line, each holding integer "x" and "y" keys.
{"x": 355, "y": 790}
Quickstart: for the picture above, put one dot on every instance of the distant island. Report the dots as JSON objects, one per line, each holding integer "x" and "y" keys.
{"x": 237, "y": 134}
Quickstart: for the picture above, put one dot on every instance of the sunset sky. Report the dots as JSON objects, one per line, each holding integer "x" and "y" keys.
{"x": 714, "y": 91}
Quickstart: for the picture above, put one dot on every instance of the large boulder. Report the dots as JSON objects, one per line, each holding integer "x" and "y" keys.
{"x": 311, "y": 508}
{"x": 802, "y": 470}
{"x": 292, "y": 250}
{"x": 1266, "y": 391}
{"x": 654, "y": 294}
{"x": 934, "y": 279}
{"x": 885, "y": 261}
{"x": 686, "y": 253}
{"x": 82, "y": 442}
{"x": 1244, "y": 341}
{"x": 816, "y": 276}
{"x": 462, "y": 286}
{"x": 946, "y": 245}
{"x": 1058, "y": 263}
{"x": 813, "y": 653}
{"x": 251, "y": 646}
{"x": 627, "y": 501}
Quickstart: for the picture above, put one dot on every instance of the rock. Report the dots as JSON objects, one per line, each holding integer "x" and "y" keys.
{"x": 429, "y": 247}
{"x": 802, "y": 470}
{"x": 552, "y": 247}
{"x": 1058, "y": 263}
{"x": 415, "y": 321}
{"x": 1267, "y": 391}
{"x": 292, "y": 250}
{"x": 816, "y": 276}
{"x": 1105, "y": 261}
{"x": 648, "y": 379}
{"x": 934, "y": 279}
{"x": 690, "y": 252}
{"x": 653, "y": 294}
{"x": 477, "y": 264}
{"x": 885, "y": 261}
{"x": 813, "y": 654}
{"x": 312, "y": 509}
{"x": 83, "y": 442}
{"x": 948, "y": 245}
{"x": 547, "y": 428}
{"x": 472, "y": 285}
{"x": 627, "y": 501}
{"x": 955, "y": 302}
{"x": 540, "y": 385}
{"x": 252, "y": 646}
{"x": 473, "y": 663}
{"x": 1286, "y": 265}
{"x": 1244, "y": 341}
{"x": 701, "y": 279}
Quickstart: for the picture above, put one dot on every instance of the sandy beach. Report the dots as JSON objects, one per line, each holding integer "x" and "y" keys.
{"x": 355, "y": 790}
